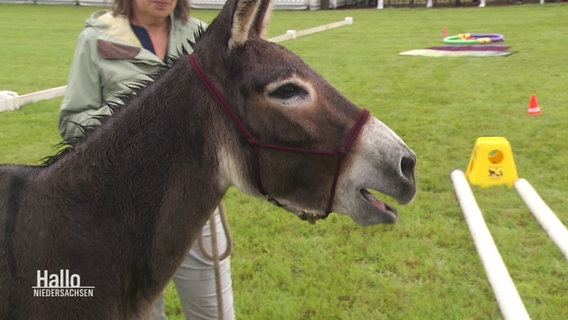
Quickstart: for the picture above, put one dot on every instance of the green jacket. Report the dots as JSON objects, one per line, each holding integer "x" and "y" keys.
{"x": 107, "y": 59}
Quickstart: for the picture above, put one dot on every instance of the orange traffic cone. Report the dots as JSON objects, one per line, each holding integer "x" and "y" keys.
{"x": 444, "y": 32}
{"x": 533, "y": 106}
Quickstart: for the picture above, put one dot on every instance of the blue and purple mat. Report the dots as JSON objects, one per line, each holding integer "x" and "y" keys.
{"x": 474, "y": 50}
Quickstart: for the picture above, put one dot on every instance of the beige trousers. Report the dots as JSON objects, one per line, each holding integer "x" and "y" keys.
{"x": 195, "y": 281}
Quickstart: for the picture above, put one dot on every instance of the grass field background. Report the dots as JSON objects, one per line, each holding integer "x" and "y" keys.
{"x": 425, "y": 266}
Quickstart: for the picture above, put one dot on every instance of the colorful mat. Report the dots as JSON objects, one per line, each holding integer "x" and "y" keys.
{"x": 474, "y": 50}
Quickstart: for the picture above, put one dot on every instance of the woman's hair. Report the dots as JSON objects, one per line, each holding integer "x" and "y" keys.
{"x": 124, "y": 8}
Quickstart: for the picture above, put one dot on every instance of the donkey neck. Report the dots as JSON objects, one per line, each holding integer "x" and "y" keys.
{"x": 151, "y": 170}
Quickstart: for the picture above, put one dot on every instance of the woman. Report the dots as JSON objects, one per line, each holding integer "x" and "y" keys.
{"x": 119, "y": 49}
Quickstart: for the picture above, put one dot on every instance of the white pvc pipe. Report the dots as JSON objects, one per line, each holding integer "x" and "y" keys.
{"x": 293, "y": 34}
{"x": 42, "y": 95}
{"x": 508, "y": 298}
{"x": 344, "y": 22}
{"x": 547, "y": 219}
{"x": 289, "y": 35}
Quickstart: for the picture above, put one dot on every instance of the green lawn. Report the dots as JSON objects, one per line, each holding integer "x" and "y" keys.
{"x": 426, "y": 265}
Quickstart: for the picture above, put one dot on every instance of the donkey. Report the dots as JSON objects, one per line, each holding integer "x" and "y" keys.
{"x": 108, "y": 222}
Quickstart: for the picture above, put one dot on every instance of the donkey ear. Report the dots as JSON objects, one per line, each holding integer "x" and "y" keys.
{"x": 262, "y": 17}
{"x": 248, "y": 20}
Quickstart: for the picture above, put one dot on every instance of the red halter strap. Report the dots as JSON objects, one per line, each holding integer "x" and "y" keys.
{"x": 256, "y": 145}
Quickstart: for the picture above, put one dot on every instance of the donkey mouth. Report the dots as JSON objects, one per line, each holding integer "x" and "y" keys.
{"x": 388, "y": 214}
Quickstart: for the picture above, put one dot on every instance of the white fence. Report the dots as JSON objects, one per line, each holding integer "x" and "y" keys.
{"x": 10, "y": 100}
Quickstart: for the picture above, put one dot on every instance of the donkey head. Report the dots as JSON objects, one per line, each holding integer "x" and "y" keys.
{"x": 290, "y": 114}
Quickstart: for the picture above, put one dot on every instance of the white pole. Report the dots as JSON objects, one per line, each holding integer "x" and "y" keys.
{"x": 508, "y": 298}
{"x": 42, "y": 95}
{"x": 547, "y": 219}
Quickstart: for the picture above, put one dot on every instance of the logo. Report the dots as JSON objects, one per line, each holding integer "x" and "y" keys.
{"x": 62, "y": 284}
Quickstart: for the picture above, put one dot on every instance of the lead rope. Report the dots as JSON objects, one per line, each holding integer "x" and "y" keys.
{"x": 214, "y": 254}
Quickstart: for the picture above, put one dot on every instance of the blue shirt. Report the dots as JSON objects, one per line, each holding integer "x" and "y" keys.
{"x": 142, "y": 35}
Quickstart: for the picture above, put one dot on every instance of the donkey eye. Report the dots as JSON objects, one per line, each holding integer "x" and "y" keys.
{"x": 287, "y": 91}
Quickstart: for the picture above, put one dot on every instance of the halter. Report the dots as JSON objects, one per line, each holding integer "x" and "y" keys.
{"x": 256, "y": 145}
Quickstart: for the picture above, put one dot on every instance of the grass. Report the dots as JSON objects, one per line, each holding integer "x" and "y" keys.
{"x": 425, "y": 266}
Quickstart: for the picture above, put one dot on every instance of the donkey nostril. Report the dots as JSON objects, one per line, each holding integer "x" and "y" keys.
{"x": 407, "y": 166}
